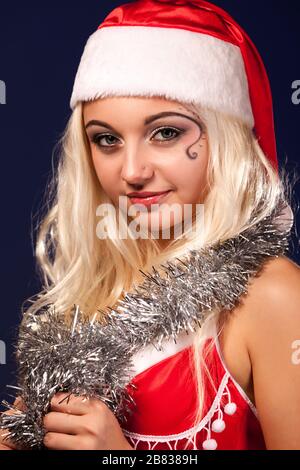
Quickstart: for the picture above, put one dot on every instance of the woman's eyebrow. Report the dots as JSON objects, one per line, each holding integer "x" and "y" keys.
{"x": 148, "y": 120}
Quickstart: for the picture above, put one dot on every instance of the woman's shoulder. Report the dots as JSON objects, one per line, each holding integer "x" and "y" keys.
{"x": 275, "y": 288}
{"x": 270, "y": 326}
{"x": 273, "y": 295}
{"x": 272, "y": 301}
{"x": 255, "y": 327}
{"x": 277, "y": 272}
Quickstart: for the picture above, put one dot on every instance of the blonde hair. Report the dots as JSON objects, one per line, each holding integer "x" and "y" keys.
{"x": 76, "y": 267}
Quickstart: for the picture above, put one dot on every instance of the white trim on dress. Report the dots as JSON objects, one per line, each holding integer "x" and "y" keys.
{"x": 190, "y": 434}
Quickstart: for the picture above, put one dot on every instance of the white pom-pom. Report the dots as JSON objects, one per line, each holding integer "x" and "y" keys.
{"x": 218, "y": 425}
{"x": 230, "y": 408}
{"x": 210, "y": 444}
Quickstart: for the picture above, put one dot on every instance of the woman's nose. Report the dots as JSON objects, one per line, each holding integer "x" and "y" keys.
{"x": 135, "y": 169}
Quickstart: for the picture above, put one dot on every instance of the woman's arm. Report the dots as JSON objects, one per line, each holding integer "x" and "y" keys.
{"x": 75, "y": 424}
{"x": 273, "y": 342}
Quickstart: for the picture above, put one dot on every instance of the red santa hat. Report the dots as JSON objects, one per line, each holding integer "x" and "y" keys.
{"x": 189, "y": 51}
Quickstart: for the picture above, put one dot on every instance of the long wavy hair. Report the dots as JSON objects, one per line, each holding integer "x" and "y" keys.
{"x": 76, "y": 267}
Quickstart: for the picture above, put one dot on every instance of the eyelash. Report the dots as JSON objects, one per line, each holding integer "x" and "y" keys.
{"x": 97, "y": 137}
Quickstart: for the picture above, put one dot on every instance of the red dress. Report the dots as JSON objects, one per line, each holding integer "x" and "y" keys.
{"x": 165, "y": 398}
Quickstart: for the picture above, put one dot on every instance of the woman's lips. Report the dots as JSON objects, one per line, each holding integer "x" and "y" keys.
{"x": 148, "y": 201}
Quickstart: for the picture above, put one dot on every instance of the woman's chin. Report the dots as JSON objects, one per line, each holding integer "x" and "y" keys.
{"x": 158, "y": 225}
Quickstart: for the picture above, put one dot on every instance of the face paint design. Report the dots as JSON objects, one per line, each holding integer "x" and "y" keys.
{"x": 200, "y": 126}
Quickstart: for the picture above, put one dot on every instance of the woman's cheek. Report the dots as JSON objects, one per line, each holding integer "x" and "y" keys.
{"x": 106, "y": 177}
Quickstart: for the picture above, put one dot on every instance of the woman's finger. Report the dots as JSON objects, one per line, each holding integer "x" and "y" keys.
{"x": 59, "y": 441}
{"x": 66, "y": 403}
{"x": 61, "y": 422}
{"x": 3, "y": 447}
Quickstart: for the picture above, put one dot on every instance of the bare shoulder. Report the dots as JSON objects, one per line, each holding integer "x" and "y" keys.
{"x": 270, "y": 293}
{"x": 277, "y": 273}
{"x": 273, "y": 298}
{"x": 269, "y": 324}
{"x": 270, "y": 308}
{"x": 261, "y": 347}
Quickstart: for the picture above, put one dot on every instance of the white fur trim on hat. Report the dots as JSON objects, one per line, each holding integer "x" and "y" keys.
{"x": 174, "y": 63}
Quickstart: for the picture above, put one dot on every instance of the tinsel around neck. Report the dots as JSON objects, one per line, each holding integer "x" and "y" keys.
{"x": 94, "y": 360}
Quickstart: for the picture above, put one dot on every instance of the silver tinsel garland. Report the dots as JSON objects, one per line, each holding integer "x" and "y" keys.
{"x": 94, "y": 360}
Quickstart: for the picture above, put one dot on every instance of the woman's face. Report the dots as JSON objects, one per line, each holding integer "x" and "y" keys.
{"x": 148, "y": 145}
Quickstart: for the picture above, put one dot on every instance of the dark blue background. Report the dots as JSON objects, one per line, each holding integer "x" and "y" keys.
{"x": 40, "y": 48}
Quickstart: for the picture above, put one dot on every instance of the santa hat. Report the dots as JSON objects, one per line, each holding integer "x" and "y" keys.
{"x": 189, "y": 51}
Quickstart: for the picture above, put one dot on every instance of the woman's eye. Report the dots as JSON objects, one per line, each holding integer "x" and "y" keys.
{"x": 168, "y": 133}
{"x": 96, "y": 139}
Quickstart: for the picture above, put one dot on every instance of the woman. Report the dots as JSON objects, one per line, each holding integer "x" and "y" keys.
{"x": 172, "y": 98}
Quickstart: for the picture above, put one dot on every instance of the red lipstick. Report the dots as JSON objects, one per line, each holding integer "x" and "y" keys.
{"x": 147, "y": 198}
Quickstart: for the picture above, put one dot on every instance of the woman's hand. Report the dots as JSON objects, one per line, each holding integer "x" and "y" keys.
{"x": 6, "y": 444}
{"x": 82, "y": 424}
